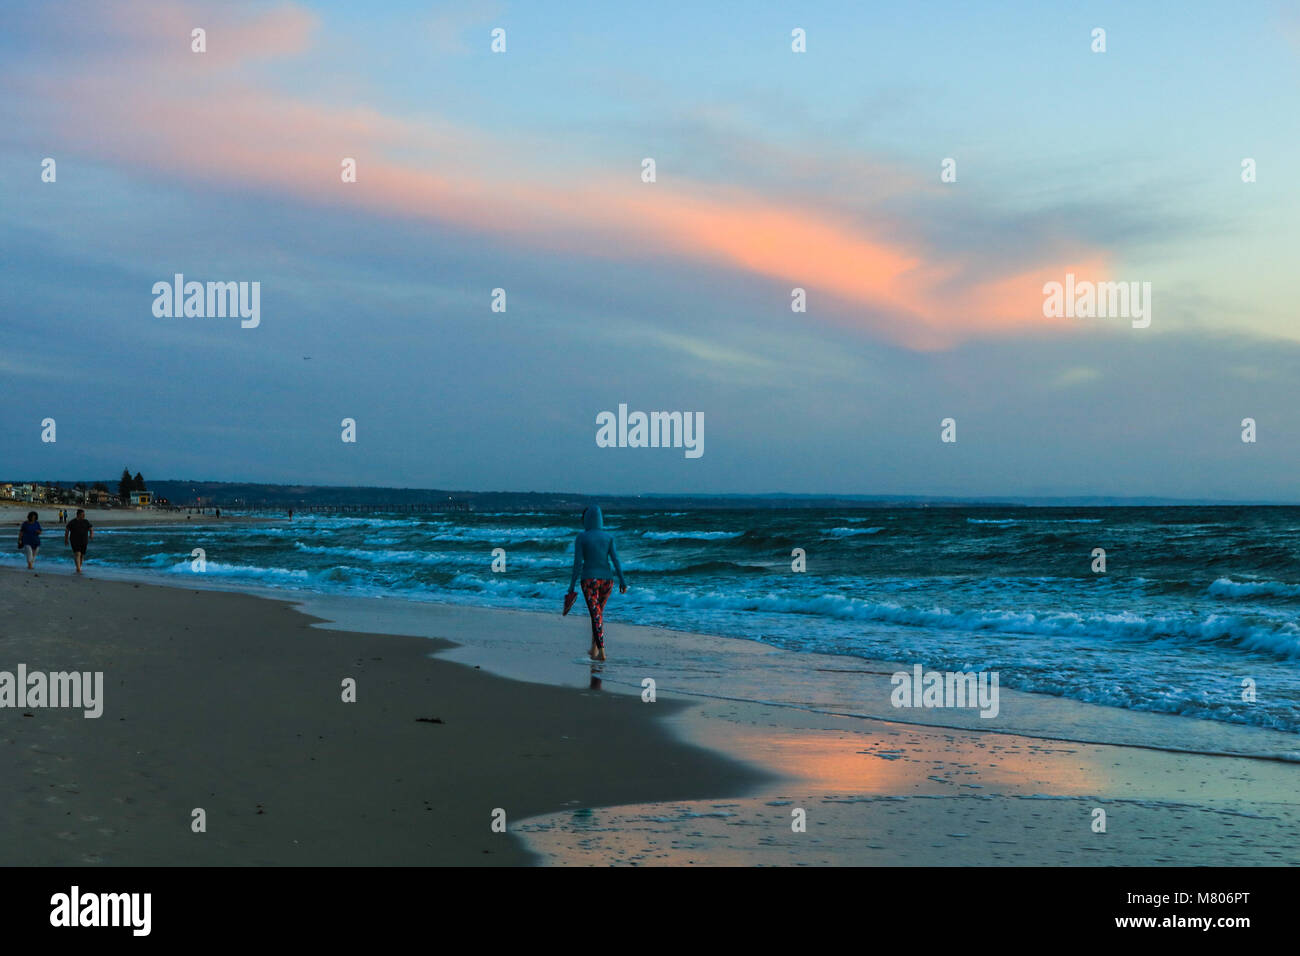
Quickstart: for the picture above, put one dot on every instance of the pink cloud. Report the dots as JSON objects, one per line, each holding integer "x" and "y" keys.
{"x": 205, "y": 118}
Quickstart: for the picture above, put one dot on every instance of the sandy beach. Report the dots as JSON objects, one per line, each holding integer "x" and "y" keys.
{"x": 232, "y": 703}
{"x": 12, "y": 515}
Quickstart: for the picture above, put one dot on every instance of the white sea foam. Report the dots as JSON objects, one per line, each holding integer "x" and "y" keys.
{"x": 688, "y": 535}
{"x": 1226, "y": 587}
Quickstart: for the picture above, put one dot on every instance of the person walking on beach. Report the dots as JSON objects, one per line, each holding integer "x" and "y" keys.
{"x": 29, "y": 539}
{"x": 78, "y": 533}
{"x": 595, "y": 561}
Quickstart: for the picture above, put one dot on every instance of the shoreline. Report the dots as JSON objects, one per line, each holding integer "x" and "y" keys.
{"x": 860, "y": 774}
{"x": 993, "y": 794}
{"x": 1047, "y": 717}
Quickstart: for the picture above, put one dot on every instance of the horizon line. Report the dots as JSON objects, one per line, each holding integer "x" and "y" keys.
{"x": 1022, "y": 500}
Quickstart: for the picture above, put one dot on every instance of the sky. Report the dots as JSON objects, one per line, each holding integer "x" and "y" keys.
{"x": 523, "y": 170}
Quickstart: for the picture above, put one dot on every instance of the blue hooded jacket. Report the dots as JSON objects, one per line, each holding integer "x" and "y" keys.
{"x": 594, "y": 555}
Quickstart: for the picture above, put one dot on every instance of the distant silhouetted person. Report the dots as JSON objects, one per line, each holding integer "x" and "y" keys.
{"x": 29, "y": 538}
{"x": 78, "y": 533}
{"x": 595, "y": 561}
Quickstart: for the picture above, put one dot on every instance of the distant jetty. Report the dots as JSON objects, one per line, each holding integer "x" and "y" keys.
{"x": 380, "y": 508}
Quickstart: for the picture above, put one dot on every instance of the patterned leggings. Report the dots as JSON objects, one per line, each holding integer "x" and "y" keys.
{"x": 595, "y": 591}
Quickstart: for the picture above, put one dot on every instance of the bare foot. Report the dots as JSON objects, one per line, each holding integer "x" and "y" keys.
{"x": 602, "y": 654}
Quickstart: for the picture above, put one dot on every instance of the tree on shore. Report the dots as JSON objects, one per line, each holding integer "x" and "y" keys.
{"x": 124, "y": 486}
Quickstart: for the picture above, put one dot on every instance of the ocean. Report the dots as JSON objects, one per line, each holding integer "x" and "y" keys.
{"x": 1193, "y": 601}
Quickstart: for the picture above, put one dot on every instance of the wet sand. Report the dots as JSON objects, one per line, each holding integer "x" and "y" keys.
{"x": 874, "y": 793}
{"x": 878, "y": 785}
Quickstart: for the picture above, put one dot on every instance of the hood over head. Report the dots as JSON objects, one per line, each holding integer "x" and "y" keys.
{"x": 592, "y": 519}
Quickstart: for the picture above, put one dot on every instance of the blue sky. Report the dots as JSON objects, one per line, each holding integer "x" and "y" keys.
{"x": 522, "y": 171}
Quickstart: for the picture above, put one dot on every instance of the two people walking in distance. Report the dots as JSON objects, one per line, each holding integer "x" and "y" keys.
{"x": 595, "y": 563}
{"x": 76, "y": 533}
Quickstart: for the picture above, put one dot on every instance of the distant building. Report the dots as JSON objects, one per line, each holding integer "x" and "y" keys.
{"x": 140, "y": 499}
{"x": 29, "y": 492}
